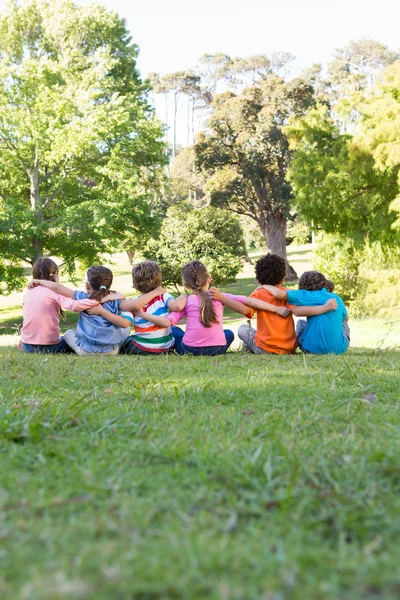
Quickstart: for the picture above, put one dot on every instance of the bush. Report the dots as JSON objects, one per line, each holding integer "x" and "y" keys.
{"x": 339, "y": 260}
{"x": 210, "y": 234}
{"x": 298, "y": 233}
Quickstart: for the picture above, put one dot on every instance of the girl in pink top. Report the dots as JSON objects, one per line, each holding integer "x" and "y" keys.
{"x": 42, "y": 308}
{"x": 204, "y": 330}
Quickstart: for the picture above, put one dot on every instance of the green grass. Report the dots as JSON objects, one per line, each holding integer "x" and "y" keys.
{"x": 236, "y": 477}
{"x": 179, "y": 477}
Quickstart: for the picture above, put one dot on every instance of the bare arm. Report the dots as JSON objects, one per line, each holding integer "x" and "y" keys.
{"x": 113, "y": 296}
{"x": 177, "y": 304}
{"x": 313, "y": 311}
{"x": 114, "y": 319}
{"x": 135, "y": 304}
{"x": 161, "y": 321}
{"x": 282, "y": 311}
{"x": 59, "y": 288}
{"x": 238, "y": 307}
{"x": 276, "y": 292}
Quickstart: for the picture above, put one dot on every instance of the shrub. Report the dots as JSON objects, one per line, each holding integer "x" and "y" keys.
{"x": 339, "y": 259}
{"x": 298, "y": 232}
{"x": 211, "y": 235}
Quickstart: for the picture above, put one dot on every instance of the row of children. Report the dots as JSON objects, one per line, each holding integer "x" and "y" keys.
{"x": 106, "y": 316}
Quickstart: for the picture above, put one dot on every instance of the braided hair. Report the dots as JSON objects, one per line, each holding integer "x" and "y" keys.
{"x": 100, "y": 280}
{"x": 195, "y": 277}
{"x": 314, "y": 280}
{"x": 45, "y": 268}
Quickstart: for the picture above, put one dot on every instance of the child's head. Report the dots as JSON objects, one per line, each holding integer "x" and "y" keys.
{"x": 270, "y": 269}
{"x": 146, "y": 276}
{"x": 45, "y": 268}
{"x": 99, "y": 280}
{"x": 195, "y": 277}
{"x": 314, "y": 281}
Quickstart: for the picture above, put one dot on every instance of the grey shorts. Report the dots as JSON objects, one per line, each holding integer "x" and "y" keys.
{"x": 247, "y": 334}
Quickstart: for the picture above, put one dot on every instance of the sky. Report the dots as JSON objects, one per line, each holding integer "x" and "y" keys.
{"x": 173, "y": 34}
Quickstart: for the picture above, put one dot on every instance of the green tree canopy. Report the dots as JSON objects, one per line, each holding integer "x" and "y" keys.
{"x": 336, "y": 182}
{"x": 246, "y": 155}
{"x": 81, "y": 150}
{"x": 209, "y": 234}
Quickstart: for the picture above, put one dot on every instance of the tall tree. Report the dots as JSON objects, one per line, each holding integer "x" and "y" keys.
{"x": 336, "y": 183}
{"x": 81, "y": 150}
{"x": 246, "y": 154}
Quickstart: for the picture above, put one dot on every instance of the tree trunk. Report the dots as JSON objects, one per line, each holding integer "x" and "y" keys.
{"x": 274, "y": 232}
{"x": 131, "y": 255}
{"x": 37, "y": 244}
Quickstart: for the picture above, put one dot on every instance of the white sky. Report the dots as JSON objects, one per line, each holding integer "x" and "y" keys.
{"x": 173, "y": 34}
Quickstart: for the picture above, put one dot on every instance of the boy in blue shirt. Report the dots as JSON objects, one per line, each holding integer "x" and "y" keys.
{"x": 323, "y": 334}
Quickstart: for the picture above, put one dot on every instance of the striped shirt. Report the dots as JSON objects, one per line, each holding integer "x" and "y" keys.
{"x": 149, "y": 337}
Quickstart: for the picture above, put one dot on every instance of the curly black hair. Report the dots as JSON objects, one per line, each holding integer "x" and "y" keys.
{"x": 270, "y": 269}
{"x": 314, "y": 280}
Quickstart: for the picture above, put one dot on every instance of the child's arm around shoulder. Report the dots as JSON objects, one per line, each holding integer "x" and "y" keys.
{"x": 135, "y": 304}
{"x": 160, "y": 321}
{"x": 117, "y": 320}
{"x": 59, "y": 288}
{"x": 314, "y": 311}
{"x": 177, "y": 304}
{"x": 276, "y": 292}
{"x": 238, "y": 307}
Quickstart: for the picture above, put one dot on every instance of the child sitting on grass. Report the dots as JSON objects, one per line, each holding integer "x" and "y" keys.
{"x": 150, "y": 338}
{"x": 101, "y": 329}
{"x": 42, "y": 308}
{"x": 328, "y": 333}
{"x": 274, "y": 335}
{"x": 204, "y": 333}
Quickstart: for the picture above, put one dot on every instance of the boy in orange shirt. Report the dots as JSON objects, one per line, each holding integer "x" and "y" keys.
{"x": 275, "y": 334}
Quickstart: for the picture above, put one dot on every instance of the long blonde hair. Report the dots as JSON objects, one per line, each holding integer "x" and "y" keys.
{"x": 195, "y": 276}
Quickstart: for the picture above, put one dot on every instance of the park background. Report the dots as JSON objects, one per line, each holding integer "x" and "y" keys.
{"x": 178, "y": 477}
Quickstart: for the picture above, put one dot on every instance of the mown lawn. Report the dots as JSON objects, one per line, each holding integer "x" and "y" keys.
{"x": 234, "y": 477}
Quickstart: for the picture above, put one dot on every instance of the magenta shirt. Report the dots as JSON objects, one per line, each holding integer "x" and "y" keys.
{"x": 41, "y": 307}
{"x": 196, "y": 335}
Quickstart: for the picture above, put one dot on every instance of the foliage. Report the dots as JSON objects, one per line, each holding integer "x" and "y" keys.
{"x": 298, "y": 232}
{"x": 187, "y": 183}
{"x": 339, "y": 260}
{"x": 245, "y": 153}
{"x": 211, "y": 235}
{"x": 81, "y": 150}
{"x": 336, "y": 182}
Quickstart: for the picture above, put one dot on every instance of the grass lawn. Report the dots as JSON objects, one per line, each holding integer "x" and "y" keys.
{"x": 235, "y": 477}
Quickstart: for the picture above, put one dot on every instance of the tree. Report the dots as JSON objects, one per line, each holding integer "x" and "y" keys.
{"x": 187, "y": 183}
{"x": 245, "y": 154}
{"x": 336, "y": 183}
{"x": 81, "y": 150}
{"x": 381, "y": 128}
{"x": 211, "y": 235}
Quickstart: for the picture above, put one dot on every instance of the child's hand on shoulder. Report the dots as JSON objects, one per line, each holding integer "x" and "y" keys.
{"x": 215, "y": 293}
{"x": 283, "y": 311}
{"x": 95, "y": 310}
{"x": 331, "y": 304}
{"x": 35, "y": 282}
{"x": 113, "y": 296}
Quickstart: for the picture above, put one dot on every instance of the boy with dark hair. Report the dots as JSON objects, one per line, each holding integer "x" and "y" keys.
{"x": 325, "y": 334}
{"x": 149, "y": 338}
{"x": 274, "y": 334}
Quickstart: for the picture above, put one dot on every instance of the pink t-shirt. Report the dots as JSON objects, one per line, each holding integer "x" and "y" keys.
{"x": 41, "y": 307}
{"x": 196, "y": 335}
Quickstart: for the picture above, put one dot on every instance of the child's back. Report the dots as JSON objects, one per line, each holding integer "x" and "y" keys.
{"x": 323, "y": 334}
{"x": 274, "y": 334}
{"x": 95, "y": 333}
{"x": 149, "y": 337}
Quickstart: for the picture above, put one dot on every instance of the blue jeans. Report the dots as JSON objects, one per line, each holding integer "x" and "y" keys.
{"x": 181, "y": 348}
{"x": 60, "y": 348}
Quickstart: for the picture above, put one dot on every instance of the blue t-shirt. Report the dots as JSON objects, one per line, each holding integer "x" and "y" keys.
{"x": 94, "y": 333}
{"x": 323, "y": 333}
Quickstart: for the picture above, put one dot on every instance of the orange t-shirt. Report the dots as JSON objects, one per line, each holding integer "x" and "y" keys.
{"x": 274, "y": 333}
